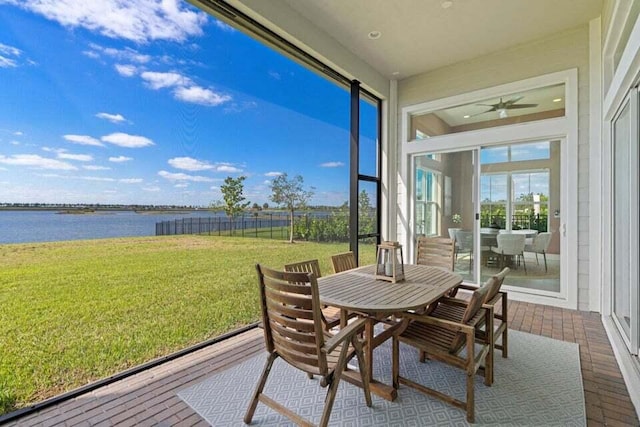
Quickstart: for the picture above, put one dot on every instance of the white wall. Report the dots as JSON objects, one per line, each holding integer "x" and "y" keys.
{"x": 564, "y": 51}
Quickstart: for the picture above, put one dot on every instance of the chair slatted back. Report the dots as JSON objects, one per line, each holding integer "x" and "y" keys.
{"x": 292, "y": 318}
{"x": 493, "y": 286}
{"x": 343, "y": 262}
{"x": 475, "y": 304}
{"x": 309, "y": 266}
{"x": 436, "y": 252}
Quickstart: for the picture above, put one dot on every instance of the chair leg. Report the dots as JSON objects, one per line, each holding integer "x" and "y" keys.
{"x": 545, "y": 261}
{"x": 333, "y": 388}
{"x": 537, "y": 262}
{"x": 525, "y": 264}
{"x": 470, "y": 403}
{"x": 362, "y": 365}
{"x": 505, "y": 319}
{"x": 258, "y": 391}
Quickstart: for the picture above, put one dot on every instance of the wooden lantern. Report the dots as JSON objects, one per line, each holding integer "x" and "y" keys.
{"x": 390, "y": 262}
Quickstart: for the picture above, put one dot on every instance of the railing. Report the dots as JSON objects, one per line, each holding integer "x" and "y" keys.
{"x": 518, "y": 222}
{"x": 273, "y": 225}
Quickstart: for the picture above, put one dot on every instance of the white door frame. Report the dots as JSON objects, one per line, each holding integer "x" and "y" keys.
{"x": 562, "y": 128}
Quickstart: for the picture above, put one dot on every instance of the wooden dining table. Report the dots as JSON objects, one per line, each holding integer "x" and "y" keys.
{"x": 359, "y": 291}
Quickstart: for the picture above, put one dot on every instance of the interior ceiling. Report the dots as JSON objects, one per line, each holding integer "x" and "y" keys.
{"x": 421, "y": 35}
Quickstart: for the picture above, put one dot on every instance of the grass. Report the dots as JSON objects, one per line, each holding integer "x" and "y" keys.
{"x": 74, "y": 312}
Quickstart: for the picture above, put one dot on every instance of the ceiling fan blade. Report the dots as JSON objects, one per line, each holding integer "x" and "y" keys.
{"x": 488, "y": 111}
{"x": 513, "y": 100}
{"x": 510, "y": 107}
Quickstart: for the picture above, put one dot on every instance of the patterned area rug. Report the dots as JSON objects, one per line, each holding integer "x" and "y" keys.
{"x": 538, "y": 385}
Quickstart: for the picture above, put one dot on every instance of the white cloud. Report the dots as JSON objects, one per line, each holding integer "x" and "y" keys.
{"x": 113, "y": 118}
{"x": 200, "y": 95}
{"x": 83, "y": 140}
{"x": 157, "y": 80}
{"x": 190, "y": 164}
{"x": 14, "y": 142}
{"x": 273, "y": 174}
{"x": 125, "y": 140}
{"x": 126, "y": 70}
{"x": 33, "y": 160}
{"x": 18, "y": 133}
{"x": 130, "y": 180}
{"x": 95, "y": 168}
{"x": 235, "y": 107}
{"x": 127, "y": 54}
{"x": 136, "y": 20}
{"x": 223, "y": 25}
{"x": 228, "y": 168}
{"x": 275, "y": 75}
{"x": 183, "y": 177}
{"x": 96, "y": 178}
{"x": 77, "y": 157}
{"x": 331, "y": 165}
{"x": 8, "y": 56}
{"x": 181, "y": 185}
{"x": 120, "y": 159}
{"x": 152, "y": 189}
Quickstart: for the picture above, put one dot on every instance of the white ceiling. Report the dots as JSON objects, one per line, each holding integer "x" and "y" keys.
{"x": 420, "y": 35}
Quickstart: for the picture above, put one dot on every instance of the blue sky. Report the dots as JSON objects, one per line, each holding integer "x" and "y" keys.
{"x": 156, "y": 103}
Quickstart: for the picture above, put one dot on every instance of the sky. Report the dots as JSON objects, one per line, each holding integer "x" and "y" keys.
{"x": 156, "y": 102}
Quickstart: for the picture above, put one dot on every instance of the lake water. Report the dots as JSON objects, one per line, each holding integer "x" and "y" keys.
{"x": 49, "y": 226}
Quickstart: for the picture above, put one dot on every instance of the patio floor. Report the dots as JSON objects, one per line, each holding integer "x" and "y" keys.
{"x": 149, "y": 398}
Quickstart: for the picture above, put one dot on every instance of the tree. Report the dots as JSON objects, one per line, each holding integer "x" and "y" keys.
{"x": 233, "y": 199}
{"x": 265, "y": 206}
{"x": 255, "y": 207}
{"x": 290, "y": 194}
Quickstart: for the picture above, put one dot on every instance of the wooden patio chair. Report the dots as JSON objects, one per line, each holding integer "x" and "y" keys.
{"x": 331, "y": 315}
{"x": 436, "y": 252}
{"x": 453, "y": 309}
{"x": 343, "y": 262}
{"x": 293, "y": 330}
{"x": 445, "y": 340}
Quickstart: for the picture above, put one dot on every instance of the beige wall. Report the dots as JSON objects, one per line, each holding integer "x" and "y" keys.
{"x": 562, "y": 52}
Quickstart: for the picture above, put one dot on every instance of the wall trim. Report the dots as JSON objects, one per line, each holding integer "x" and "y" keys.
{"x": 595, "y": 166}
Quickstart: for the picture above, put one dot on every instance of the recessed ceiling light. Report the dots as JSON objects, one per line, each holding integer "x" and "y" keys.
{"x": 395, "y": 73}
{"x": 466, "y": 116}
{"x": 446, "y": 4}
{"x": 374, "y": 35}
{"x": 557, "y": 100}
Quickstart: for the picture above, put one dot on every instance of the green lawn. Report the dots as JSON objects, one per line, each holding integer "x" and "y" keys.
{"x": 74, "y": 312}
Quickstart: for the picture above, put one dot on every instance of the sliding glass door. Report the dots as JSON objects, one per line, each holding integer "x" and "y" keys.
{"x": 444, "y": 203}
{"x": 625, "y": 221}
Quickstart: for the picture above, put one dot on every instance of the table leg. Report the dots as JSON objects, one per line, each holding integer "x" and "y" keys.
{"x": 372, "y": 341}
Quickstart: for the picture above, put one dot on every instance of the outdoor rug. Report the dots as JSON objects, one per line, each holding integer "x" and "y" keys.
{"x": 538, "y": 385}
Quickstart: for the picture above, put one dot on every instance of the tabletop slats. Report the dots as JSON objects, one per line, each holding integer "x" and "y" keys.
{"x": 359, "y": 290}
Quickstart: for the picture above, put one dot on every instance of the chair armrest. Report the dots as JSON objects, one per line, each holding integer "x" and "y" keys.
{"x": 453, "y": 301}
{"x": 447, "y": 324}
{"x": 344, "y": 334}
{"x": 468, "y": 287}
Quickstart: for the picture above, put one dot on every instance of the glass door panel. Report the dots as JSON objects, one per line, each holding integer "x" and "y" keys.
{"x": 519, "y": 187}
{"x": 443, "y": 201}
{"x": 621, "y": 210}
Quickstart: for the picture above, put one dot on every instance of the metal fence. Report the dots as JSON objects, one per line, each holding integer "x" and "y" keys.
{"x": 271, "y": 225}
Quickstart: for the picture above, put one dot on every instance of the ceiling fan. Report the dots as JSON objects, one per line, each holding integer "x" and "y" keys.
{"x": 502, "y": 106}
